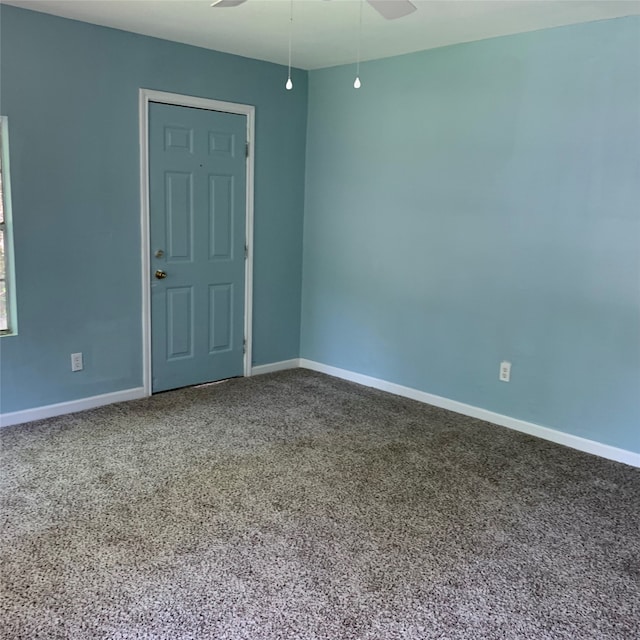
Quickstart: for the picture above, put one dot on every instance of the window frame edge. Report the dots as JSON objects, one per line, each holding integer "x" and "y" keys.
{"x": 10, "y": 271}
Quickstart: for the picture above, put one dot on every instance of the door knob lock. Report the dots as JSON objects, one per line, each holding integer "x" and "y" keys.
{"x": 160, "y": 274}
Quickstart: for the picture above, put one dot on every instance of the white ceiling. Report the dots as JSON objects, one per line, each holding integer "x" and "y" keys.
{"x": 324, "y": 33}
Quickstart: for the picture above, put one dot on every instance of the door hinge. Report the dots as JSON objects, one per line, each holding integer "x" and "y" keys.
{"x": 246, "y": 251}
{"x": 244, "y": 346}
{"x": 246, "y": 150}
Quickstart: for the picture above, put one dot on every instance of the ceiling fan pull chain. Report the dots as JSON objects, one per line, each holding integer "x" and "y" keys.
{"x": 289, "y": 84}
{"x": 356, "y": 83}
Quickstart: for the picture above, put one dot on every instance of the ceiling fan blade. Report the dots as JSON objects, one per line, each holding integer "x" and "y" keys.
{"x": 392, "y": 9}
{"x": 227, "y": 3}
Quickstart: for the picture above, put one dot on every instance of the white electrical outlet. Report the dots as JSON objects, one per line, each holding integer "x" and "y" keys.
{"x": 505, "y": 371}
{"x": 76, "y": 362}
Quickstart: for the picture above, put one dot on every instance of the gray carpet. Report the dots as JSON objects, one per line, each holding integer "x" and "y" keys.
{"x": 298, "y": 506}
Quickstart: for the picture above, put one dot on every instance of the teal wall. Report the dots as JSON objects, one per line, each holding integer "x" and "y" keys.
{"x": 477, "y": 203}
{"x": 70, "y": 91}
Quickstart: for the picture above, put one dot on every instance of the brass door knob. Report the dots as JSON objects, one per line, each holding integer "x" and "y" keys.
{"x": 160, "y": 274}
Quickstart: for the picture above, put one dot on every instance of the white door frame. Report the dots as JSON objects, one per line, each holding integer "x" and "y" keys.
{"x": 146, "y": 96}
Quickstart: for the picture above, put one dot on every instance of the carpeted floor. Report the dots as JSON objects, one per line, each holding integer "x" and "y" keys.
{"x": 298, "y": 506}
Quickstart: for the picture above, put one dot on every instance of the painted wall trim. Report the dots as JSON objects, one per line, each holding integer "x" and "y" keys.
{"x": 294, "y": 363}
{"x": 575, "y": 442}
{"x": 145, "y": 97}
{"x": 73, "y": 406}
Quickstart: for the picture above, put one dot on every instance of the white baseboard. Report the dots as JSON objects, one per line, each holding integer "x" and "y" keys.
{"x": 294, "y": 363}
{"x": 575, "y": 442}
{"x": 61, "y": 408}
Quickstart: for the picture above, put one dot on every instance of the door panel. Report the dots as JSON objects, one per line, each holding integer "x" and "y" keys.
{"x": 220, "y": 317}
{"x": 197, "y": 198}
{"x": 179, "y": 213}
{"x": 221, "y": 190}
{"x": 179, "y": 322}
